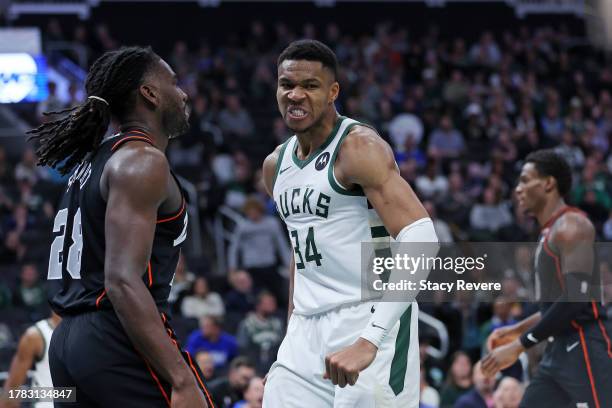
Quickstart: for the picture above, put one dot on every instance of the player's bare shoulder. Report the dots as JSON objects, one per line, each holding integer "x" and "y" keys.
{"x": 136, "y": 167}
{"x": 573, "y": 227}
{"x": 269, "y": 168}
{"x": 363, "y": 154}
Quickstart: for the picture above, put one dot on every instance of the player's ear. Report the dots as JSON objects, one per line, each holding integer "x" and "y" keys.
{"x": 150, "y": 94}
{"x": 333, "y": 93}
{"x": 550, "y": 183}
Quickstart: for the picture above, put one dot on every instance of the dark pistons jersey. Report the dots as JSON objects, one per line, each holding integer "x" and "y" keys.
{"x": 76, "y": 260}
{"x": 550, "y": 282}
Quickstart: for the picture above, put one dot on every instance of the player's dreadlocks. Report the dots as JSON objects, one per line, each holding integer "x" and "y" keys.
{"x": 110, "y": 85}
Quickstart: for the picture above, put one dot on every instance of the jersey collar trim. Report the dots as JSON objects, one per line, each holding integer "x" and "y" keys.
{"x": 303, "y": 163}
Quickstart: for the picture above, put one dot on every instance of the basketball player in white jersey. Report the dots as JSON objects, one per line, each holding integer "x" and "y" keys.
{"x": 32, "y": 352}
{"x": 336, "y": 184}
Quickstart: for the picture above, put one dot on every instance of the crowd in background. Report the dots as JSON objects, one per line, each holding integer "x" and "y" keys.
{"x": 460, "y": 115}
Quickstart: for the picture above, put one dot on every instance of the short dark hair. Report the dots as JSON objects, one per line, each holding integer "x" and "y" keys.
{"x": 310, "y": 50}
{"x": 550, "y": 164}
{"x": 114, "y": 77}
{"x": 241, "y": 361}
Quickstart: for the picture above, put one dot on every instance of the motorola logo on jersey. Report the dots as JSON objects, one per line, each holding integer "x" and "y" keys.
{"x": 322, "y": 161}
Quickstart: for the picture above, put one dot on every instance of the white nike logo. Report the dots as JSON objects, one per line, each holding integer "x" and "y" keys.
{"x": 572, "y": 346}
{"x": 531, "y": 338}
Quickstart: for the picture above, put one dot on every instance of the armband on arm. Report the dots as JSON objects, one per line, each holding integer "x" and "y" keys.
{"x": 387, "y": 313}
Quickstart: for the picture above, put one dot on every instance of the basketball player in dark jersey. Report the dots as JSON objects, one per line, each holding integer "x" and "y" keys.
{"x": 117, "y": 238}
{"x": 576, "y": 368}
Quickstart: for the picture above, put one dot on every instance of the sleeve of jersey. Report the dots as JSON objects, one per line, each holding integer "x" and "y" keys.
{"x": 422, "y": 236}
{"x": 563, "y": 310}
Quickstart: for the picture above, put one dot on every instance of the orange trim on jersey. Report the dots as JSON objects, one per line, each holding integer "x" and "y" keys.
{"x": 605, "y": 336}
{"x": 587, "y": 360}
{"x": 174, "y": 217}
{"x": 161, "y": 388}
{"x": 559, "y": 213}
{"x": 595, "y": 311}
{"x": 136, "y": 131}
{"x": 557, "y": 262}
{"x": 195, "y": 372}
{"x": 129, "y": 138}
{"x": 150, "y": 274}
{"x": 99, "y": 299}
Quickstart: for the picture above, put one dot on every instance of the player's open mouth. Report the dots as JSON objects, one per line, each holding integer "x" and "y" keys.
{"x": 296, "y": 113}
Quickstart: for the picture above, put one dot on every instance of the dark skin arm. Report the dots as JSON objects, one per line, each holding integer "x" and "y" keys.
{"x": 366, "y": 160}
{"x": 137, "y": 178}
{"x": 30, "y": 347}
{"x": 574, "y": 236}
{"x": 268, "y": 170}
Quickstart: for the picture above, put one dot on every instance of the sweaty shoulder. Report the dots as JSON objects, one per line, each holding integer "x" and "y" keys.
{"x": 363, "y": 157}
{"x": 573, "y": 227}
{"x": 269, "y": 168}
{"x": 138, "y": 167}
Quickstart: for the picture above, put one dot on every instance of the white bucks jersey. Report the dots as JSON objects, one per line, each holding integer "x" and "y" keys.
{"x": 326, "y": 224}
{"x": 41, "y": 375}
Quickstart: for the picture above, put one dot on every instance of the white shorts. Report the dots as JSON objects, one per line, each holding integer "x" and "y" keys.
{"x": 295, "y": 380}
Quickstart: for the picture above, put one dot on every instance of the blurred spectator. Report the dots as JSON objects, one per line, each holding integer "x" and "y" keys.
{"x": 481, "y": 396}
{"x": 572, "y": 153}
{"x": 209, "y": 337}
{"x": 27, "y": 170}
{"x": 446, "y": 141}
{"x": 260, "y": 334}
{"x": 255, "y": 245}
{"x": 508, "y": 394}
{"x": 456, "y": 204}
{"x": 30, "y": 292}
{"x": 51, "y": 104}
{"x": 488, "y": 216}
{"x": 405, "y": 126}
{"x": 202, "y": 302}
{"x": 552, "y": 124}
{"x": 207, "y": 365}
{"x": 486, "y": 51}
{"x": 459, "y": 380}
{"x": 429, "y": 396}
{"x": 432, "y": 185}
{"x": 241, "y": 298}
{"x": 591, "y": 193}
{"x": 228, "y": 390}
{"x": 234, "y": 119}
{"x": 253, "y": 396}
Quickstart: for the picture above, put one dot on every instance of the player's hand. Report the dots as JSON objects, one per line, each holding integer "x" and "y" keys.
{"x": 500, "y": 358}
{"x": 501, "y": 336}
{"x": 188, "y": 397}
{"x": 343, "y": 367}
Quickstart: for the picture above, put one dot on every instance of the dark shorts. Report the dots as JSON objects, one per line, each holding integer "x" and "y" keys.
{"x": 92, "y": 352}
{"x": 575, "y": 371}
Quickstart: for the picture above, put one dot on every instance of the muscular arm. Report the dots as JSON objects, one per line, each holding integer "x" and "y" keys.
{"x": 30, "y": 347}
{"x": 365, "y": 159}
{"x": 269, "y": 170}
{"x": 137, "y": 185}
{"x": 574, "y": 236}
